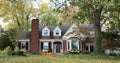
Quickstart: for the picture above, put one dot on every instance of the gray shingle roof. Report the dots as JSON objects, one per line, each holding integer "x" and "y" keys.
{"x": 51, "y": 28}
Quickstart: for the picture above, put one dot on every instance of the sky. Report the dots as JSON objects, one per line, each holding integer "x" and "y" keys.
{"x": 2, "y": 23}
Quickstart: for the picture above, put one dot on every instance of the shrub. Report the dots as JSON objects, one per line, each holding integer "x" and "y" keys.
{"x": 7, "y": 51}
{"x": 74, "y": 52}
{"x": 50, "y": 50}
{"x": 0, "y": 52}
{"x": 86, "y": 52}
{"x": 16, "y": 51}
{"x": 19, "y": 52}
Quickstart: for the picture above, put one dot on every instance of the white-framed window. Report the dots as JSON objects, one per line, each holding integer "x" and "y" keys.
{"x": 23, "y": 45}
{"x": 57, "y": 31}
{"x": 45, "y": 46}
{"x": 75, "y": 46}
{"x": 45, "y": 32}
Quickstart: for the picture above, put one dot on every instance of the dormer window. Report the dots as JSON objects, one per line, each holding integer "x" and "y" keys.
{"x": 57, "y": 31}
{"x": 45, "y": 32}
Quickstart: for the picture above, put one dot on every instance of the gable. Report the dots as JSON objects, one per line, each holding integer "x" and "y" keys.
{"x": 71, "y": 30}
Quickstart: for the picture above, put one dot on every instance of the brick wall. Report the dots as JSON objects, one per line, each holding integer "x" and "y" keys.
{"x": 34, "y": 36}
{"x": 64, "y": 45}
{"x": 83, "y": 45}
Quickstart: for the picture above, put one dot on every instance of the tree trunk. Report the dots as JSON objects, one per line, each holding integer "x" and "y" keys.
{"x": 98, "y": 34}
{"x": 98, "y": 40}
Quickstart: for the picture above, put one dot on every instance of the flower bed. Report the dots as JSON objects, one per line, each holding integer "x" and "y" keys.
{"x": 47, "y": 53}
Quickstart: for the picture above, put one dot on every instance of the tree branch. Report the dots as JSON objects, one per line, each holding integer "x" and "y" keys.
{"x": 91, "y": 17}
{"x": 104, "y": 22}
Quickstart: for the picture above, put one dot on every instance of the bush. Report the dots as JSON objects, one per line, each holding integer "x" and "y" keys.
{"x": 0, "y": 52}
{"x": 74, "y": 52}
{"x": 19, "y": 52}
{"x": 16, "y": 51}
{"x": 7, "y": 51}
{"x": 86, "y": 52}
{"x": 50, "y": 50}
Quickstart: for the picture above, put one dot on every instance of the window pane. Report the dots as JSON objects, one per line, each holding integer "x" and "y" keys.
{"x": 45, "y": 32}
{"x": 57, "y": 32}
{"x": 45, "y": 46}
{"x": 75, "y": 46}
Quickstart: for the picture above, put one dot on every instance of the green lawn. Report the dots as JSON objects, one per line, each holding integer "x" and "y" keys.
{"x": 60, "y": 58}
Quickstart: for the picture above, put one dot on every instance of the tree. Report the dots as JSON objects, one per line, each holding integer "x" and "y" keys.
{"x": 47, "y": 15}
{"x": 67, "y": 15}
{"x": 7, "y": 38}
{"x": 97, "y": 12}
{"x": 17, "y": 13}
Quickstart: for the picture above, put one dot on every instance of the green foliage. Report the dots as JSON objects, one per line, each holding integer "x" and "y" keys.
{"x": 17, "y": 13}
{"x": 50, "y": 50}
{"x": 74, "y": 52}
{"x": 7, "y": 51}
{"x": 16, "y": 51}
{"x": 111, "y": 45}
{"x": 8, "y": 38}
{"x": 19, "y": 52}
{"x": 86, "y": 52}
{"x": 111, "y": 40}
{"x": 47, "y": 15}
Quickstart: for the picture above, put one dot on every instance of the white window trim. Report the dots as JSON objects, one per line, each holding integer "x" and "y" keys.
{"x": 44, "y": 50}
{"x": 46, "y": 28}
{"x": 58, "y": 29}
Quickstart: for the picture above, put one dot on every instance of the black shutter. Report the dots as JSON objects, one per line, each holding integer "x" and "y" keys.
{"x": 19, "y": 45}
{"x": 41, "y": 45}
{"x": 49, "y": 44}
{"x": 26, "y": 45}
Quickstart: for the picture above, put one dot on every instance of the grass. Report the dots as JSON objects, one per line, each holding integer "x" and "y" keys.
{"x": 60, "y": 58}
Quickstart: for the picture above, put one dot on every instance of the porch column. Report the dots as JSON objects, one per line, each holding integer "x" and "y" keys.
{"x": 70, "y": 45}
{"x": 89, "y": 47}
{"x": 52, "y": 46}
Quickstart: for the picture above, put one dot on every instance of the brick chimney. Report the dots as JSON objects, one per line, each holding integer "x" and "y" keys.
{"x": 34, "y": 36}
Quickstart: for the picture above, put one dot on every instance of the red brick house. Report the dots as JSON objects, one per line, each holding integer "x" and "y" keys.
{"x": 42, "y": 38}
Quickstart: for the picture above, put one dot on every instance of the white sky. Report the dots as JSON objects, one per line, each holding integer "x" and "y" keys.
{"x": 45, "y": 1}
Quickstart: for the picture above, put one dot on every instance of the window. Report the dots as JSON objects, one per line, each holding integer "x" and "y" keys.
{"x": 45, "y": 32}
{"x": 23, "y": 45}
{"x": 57, "y": 32}
{"x": 45, "y": 46}
{"x": 75, "y": 46}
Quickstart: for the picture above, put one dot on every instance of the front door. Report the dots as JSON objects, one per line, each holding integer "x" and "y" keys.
{"x": 57, "y": 47}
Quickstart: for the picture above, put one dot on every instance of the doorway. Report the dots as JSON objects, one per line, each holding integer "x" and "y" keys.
{"x": 57, "y": 46}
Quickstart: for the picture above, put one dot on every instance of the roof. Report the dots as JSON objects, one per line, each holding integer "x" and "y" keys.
{"x": 51, "y": 28}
